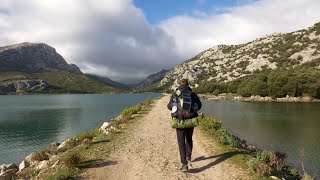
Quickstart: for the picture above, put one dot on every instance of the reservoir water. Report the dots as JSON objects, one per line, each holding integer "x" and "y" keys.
{"x": 30, "y": 123}
{"x": 285, "y": 127}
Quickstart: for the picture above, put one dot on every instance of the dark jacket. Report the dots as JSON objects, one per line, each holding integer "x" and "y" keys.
{"x": 194, "y": 100}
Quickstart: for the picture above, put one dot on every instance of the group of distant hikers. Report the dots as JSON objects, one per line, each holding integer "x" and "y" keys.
{"x": 184, "y": 105}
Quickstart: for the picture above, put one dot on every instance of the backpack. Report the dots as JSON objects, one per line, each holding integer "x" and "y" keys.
{"x": 182, "y": 104}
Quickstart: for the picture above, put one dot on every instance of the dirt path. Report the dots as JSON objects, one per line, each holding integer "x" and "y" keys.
{"x": 151, "y": 152}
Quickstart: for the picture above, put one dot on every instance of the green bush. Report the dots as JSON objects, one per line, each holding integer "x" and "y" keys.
{"x": 72, "y": 159}
{"x": 226, "y": 138}
{"x": 262, "y": 156}
{"x": 130, "y": 111}
{"x": 210, "y": 124}
{"x": 84, "y": 135}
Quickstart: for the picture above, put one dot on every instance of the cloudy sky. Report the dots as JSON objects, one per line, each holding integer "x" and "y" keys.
{"x": 126, "y": 40}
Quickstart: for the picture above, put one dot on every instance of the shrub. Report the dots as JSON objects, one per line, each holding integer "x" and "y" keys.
{"x": 262, "y": 156}
{"x": 85, "y": 135}
{"x": 262, "y": 169}
{"x": 72, "y": 159}
{"x": 40, "y": 156}
{"x": 226, "y": 138}
{"x": 210, "y": 124}
{"x": 276, "y": 160}
{"x": 71, "y": 143}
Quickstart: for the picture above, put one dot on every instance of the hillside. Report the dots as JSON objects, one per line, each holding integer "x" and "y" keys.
{"x": 108, "y": 82}
{"x": 55, "y": 81}
{"x": 33, "y": 57}
{"x": 275, "y": 65}
{"x": 38, "y": 68}
{"x": 150, "y": 80}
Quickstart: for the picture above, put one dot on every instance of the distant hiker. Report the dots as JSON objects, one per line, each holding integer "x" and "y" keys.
{"x": 184, "y": 105}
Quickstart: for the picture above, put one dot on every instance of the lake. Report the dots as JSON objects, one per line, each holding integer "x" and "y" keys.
{"x": 285, "y": 127}
{"x": 31, "y": 122}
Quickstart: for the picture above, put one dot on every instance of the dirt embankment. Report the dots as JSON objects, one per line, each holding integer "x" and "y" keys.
{"x": 151, "y": 152}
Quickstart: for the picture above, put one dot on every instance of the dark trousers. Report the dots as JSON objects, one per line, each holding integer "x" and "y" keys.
{"x": 184, "y": 137}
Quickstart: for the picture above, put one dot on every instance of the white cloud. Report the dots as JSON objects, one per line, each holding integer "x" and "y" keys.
{"x": 107, "y": 37}
{"x": 113, "y": 38}
{"x": 240, "y": 24}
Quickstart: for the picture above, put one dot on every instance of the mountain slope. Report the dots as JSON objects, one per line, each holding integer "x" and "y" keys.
{"x": 151, "y": 79}
{"x": 33, "y": 57}
{"x": 108, "y": 82}
{"x": 38, "y": 68}
{"x": 231, "y": 65}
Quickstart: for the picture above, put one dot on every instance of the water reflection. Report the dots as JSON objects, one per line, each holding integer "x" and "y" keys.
{"x": 29, "y": 123}
{"x": 287, "y": 127}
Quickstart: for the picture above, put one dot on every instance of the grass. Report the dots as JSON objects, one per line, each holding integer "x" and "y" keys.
{"x": 64, "y": 173}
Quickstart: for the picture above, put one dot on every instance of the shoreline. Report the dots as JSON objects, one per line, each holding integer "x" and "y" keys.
{"x": 259, "y": 98}
{"x": 110, "y": 133}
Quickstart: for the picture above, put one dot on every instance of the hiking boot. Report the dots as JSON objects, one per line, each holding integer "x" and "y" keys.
{"x": 184, "y": 168}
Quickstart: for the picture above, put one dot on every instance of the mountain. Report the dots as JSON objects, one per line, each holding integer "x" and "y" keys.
{"x": 151, "y": 79}
{"x": 278, "y": 64}
{"x": 38, "y": 68}
{"x": 33, "y": 57}
{"x": 108, "y": 82}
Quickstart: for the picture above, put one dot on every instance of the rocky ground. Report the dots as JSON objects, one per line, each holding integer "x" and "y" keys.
{"x": 151, "y": 152}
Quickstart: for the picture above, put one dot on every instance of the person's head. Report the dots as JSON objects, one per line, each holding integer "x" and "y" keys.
{"x": 183, "y": 82}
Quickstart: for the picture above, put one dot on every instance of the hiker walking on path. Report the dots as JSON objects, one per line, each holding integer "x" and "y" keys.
{"x": 184, "y": 105}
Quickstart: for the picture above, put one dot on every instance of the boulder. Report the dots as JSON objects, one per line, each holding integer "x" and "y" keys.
{"x": 8, "y": 174}
{"x": 24, "y": 164}
{"x": 105, "y": 125}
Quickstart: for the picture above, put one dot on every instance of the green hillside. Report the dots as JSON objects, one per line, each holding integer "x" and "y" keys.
{"x": 59, "y": 82}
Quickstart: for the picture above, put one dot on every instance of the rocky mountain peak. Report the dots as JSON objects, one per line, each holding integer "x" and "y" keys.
{"x": 33, "y": 57}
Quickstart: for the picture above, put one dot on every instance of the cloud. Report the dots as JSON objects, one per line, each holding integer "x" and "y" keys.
{"x": 239, "y": 24}
{"x": 113, "y": 38}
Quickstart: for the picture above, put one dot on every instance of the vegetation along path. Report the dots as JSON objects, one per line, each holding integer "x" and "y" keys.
{"x": 151, "y": 152}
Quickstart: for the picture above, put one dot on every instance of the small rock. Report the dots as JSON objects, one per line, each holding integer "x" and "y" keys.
{"x": 105, "y": 132}
{"x": 274, "y": 177}
{"x": 62, "y": 145}
{"x": 24, "y": 164}
{"x": 29, "y": 157}
{"x": 42, "y": 164}
{"x": 55, "y": 164}
{"x": 105, "y": 125}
